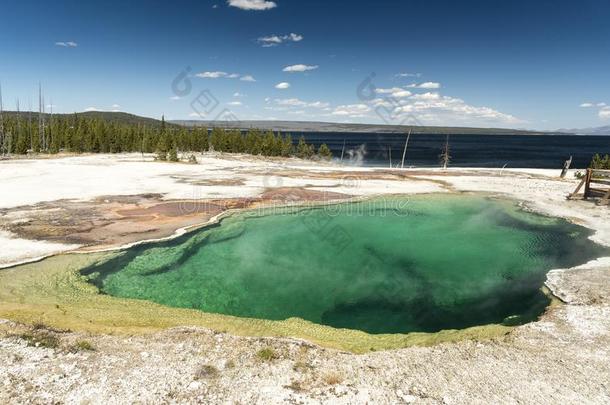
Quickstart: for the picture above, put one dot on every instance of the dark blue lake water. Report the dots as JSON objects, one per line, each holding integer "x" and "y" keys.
{"x": 534, "y": 151}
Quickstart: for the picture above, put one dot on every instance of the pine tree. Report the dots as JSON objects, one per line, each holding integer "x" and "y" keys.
{"x": 287, "y": 148}
{"x": 79, "y": 134}
{"x": 324, "y": 152}
{"x": 217, "y": 139}
{"x": 172, "y": 156}
{"x": 304, "y": 151}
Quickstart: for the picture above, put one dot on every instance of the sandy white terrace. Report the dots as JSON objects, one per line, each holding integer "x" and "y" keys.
{"x": 29, "y": 182}
{"x": 562, "y": 358}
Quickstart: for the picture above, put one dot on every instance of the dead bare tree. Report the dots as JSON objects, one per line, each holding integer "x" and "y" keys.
{"x": 41, "y": 131}
{"x": 1, "y": 124}
{"x": 30, "y": 125}
{"x": 445, "y": 157}
{"x": 404, "y": 151}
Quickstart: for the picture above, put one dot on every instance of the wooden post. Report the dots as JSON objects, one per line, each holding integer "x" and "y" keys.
{"x": 588, "y": 182}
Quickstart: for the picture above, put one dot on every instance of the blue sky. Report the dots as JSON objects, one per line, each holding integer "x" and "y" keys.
{"x": 524, "y": 64}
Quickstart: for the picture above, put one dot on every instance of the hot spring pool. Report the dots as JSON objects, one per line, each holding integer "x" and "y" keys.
{"x": 394, "y": 265}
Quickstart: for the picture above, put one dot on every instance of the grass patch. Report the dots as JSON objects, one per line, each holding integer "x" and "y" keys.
{"x": 206, "y": 371}
{"x": 267, "y": 354}
{"x": 301, "y": 366}
{"x": 332, "y": 378}
{"x": 296, "y": 386}
{"x": 82, "y": 346}
{"x": 41, "y": 339}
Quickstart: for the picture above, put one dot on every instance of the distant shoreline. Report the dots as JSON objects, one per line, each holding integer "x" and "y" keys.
{"x": 330, "y": 127}
{"x": 310, "y": 126}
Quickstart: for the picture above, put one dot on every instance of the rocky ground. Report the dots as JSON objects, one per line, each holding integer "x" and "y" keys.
{"x": 562, "y": 358}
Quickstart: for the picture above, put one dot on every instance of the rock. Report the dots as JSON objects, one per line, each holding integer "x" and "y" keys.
{"x": 194, "y": 386}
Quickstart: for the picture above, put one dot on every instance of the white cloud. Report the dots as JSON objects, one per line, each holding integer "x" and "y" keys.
{"x": 408, "y": 74}
{"x": 387, "y": 91}
{"x": 351, "y": 110}
{"x": 270, "y": 40}
{"x": 295, "y": 102}
{"x": 290, "y": 101}
{"x": 395, "y": 92}
{"x": 174, "y": 98}
{"x": 299, "y": 68}
{"x": 401, "y": 94}
{"x": 238, "y": 94}
{"x": 252, "y": 4}
{"x": 282, "y": 85}
{"x": 236, "y": 103}
{"x": 225, "y": 75}
{"x": 91, "y": 109}
{"x": 116, "y": 106}
{"x": 274, "y": 40}
{"x": 196, "y": 115}
{"x": 426, "y": 96}
{"x": 425, "y": 85}
{"x": 603, "y": 112}
{"x": 433, "y": 108}
{"x": 211, "y": 75}
{"x": 381, "y": 102}
{"x": 68, "y": 44}
{"x": 318, "y": 104}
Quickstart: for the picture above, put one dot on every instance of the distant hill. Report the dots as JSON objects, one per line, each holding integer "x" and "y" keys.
{"x": 118, "y": 117}
{"x": 311, "y": 126}
{"x": 589, "y": 131}
{"x": 307, "y": 126}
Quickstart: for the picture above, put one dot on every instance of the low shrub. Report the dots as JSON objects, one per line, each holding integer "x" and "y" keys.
{"x": 41, "y": 339}
{"x": 333, "y": 378}
{"x": 206, "y": 371}
{"x": 82, "y": 346}
{"x": 600, "y": 162}
{"x": 267, "y": 354}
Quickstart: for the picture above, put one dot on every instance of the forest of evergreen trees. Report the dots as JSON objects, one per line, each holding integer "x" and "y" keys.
{"x": 25, "y": 133}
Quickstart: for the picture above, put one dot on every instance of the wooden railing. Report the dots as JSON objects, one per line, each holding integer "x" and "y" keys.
{"x": 597, "y": 185}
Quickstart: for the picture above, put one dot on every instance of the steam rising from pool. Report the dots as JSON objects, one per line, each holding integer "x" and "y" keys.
{"x": 382, "y": 266}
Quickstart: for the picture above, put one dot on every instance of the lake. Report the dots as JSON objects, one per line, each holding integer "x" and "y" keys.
{"x": 512, "y": 151}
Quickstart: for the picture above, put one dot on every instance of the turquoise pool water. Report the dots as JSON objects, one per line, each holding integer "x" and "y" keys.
{"x": 392, "y": 265}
